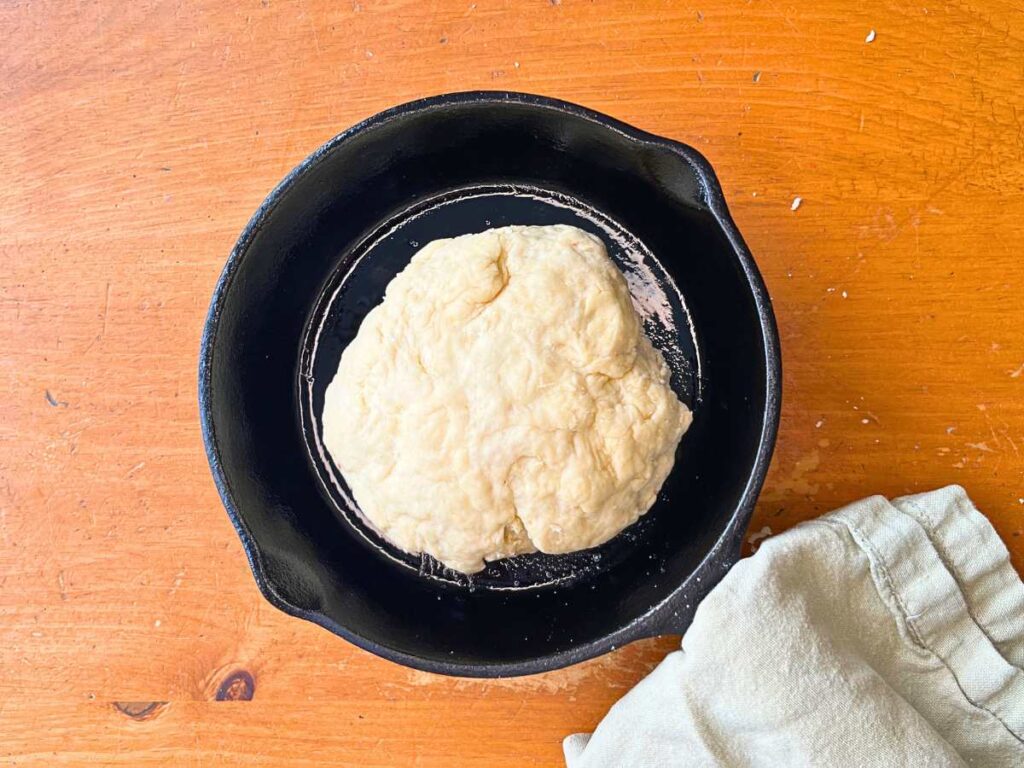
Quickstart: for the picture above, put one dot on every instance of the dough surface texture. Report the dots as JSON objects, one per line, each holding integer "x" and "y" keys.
{"x": 503, "y": 399}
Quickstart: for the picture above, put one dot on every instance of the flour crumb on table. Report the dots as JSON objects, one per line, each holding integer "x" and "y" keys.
{"x": 754, "y": 538}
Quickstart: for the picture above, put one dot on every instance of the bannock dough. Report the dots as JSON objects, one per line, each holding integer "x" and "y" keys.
{"x": 503, "y": 399}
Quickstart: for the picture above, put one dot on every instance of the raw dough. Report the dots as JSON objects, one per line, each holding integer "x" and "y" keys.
{"x": 503, "y": 398}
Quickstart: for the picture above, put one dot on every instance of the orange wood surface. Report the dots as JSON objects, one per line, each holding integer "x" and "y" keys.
{"x": 137, "y": 138}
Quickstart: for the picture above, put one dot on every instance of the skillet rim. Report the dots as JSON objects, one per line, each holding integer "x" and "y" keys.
{"x": 673, "y": 614}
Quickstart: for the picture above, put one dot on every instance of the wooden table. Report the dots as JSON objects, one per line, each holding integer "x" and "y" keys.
{"x": 137, "y": 138}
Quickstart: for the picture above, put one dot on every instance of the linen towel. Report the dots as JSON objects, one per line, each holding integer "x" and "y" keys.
{"x": 883, "y": 634}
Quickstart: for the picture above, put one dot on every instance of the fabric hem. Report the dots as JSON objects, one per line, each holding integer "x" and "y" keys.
{"x": 930, "y": 606}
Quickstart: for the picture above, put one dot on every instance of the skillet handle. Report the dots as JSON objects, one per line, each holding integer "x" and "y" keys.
{"x": 675, "y": 614}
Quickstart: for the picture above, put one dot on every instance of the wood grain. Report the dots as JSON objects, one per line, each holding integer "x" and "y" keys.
{"x": 137, "y": 138}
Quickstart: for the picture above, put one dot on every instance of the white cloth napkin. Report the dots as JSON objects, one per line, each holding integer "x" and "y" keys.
{"x": 884, "y": 634}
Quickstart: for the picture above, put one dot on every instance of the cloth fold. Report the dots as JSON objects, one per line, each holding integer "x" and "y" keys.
{"x": 883, "y": 634}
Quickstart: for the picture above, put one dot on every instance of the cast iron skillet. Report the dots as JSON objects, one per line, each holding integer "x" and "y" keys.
{"x": 316, "y": 257}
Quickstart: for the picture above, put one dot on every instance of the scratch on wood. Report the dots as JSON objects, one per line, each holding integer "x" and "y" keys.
{"x": 178, "y": 579}
{"x": 785, "y": 17}
{"x": 54, "y": 402}
{"x": 312, "y": 26}
{"x": 106, "y": 310}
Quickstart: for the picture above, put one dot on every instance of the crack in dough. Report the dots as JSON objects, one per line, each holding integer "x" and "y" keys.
{"x": 504, "y": 399}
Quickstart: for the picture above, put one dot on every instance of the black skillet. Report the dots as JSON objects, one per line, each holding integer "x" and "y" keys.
{"x": 316, "y": 257}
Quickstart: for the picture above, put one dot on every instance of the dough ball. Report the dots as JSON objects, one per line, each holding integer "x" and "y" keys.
{"x": 503, "y": 399}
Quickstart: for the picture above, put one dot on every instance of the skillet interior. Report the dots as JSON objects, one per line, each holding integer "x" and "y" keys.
{"x": 444, "y": 167}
